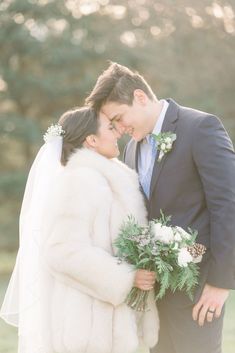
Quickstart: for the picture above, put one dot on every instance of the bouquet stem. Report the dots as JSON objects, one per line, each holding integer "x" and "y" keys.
{"x": 137, "y": 299}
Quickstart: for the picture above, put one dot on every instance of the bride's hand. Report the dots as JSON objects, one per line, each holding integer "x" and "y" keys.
{"x": 144, "y": 279}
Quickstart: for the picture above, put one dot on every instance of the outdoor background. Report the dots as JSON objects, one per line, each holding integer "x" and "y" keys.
{"x": 51, "y": 52}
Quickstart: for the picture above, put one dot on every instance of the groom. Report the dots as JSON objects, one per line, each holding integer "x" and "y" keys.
{"x": 194, "y": 182}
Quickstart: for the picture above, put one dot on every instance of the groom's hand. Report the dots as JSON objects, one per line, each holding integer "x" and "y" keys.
{"x": 144, "y": 279}
{"x": 210, "y": 304}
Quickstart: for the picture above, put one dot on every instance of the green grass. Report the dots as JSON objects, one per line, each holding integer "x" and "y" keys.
{"x": 8, "y": 334}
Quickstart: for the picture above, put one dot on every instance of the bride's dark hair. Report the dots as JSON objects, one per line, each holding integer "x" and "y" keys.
{"x": 77, "y": 123}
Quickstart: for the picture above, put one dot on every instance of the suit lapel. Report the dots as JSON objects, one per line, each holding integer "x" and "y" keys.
{"x": 137, "y": 151}
{"x": 169, "y": 124}
{"x": 131, "y": 158}
{"x": 133, "y": 163}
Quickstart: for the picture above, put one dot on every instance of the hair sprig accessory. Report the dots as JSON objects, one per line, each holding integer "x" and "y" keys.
{"x": 53, "y": 131}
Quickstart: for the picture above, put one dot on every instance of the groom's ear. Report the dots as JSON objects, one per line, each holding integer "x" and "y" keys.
{"x": 140, "y": 96}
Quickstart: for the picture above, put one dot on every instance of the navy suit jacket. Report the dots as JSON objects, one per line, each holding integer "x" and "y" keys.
{"x": 195, "y": 184}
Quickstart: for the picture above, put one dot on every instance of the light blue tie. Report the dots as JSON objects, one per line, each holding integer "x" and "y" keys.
{"x": 146, "y": 180}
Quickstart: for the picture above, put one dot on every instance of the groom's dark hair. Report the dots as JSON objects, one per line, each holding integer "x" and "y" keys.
{"x": 117, "y": 84}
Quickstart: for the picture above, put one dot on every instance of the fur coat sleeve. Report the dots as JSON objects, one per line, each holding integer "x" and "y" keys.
{"x": 71, "y": 253}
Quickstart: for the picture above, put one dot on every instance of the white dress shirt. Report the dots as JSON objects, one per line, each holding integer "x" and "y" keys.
{"x": 144, "y": 158}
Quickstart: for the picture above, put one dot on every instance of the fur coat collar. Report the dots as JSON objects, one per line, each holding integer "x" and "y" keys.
{"x": 122, "y": 180}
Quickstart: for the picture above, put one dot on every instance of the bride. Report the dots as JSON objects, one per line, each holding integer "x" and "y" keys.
{"x": 67, "y": 291}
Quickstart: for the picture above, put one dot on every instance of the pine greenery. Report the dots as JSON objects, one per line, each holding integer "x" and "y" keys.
{"x": 139, "y": 246}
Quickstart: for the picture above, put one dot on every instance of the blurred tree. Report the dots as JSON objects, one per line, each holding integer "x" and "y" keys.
{"x": 53, "y": 50}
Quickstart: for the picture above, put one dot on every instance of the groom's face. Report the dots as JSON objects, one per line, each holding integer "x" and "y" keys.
{"x": 127, "y": 119}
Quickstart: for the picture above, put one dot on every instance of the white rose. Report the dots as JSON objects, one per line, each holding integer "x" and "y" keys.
{"x": 157, "y": 228}
{"x": 163, "y": 233}
{"x": 177, "y": 236}
{"x": 184, "y": 257}
{"x": 183, "y": 233}
{"x": 163, "y": 146}
{"x": 168, "y": 146}
{"x": 168, "y": 140}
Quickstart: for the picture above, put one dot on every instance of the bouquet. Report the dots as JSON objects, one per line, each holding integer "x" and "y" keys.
{"x": 169, "y": 251}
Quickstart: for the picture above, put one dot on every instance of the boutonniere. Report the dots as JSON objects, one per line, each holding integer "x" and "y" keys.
{"x": 164, "y": 143}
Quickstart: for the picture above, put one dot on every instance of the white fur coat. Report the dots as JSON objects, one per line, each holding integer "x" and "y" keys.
{"x": 87, "y": 313}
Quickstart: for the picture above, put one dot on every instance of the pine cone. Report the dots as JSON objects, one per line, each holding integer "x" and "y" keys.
{"x": 196, "y": 250}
